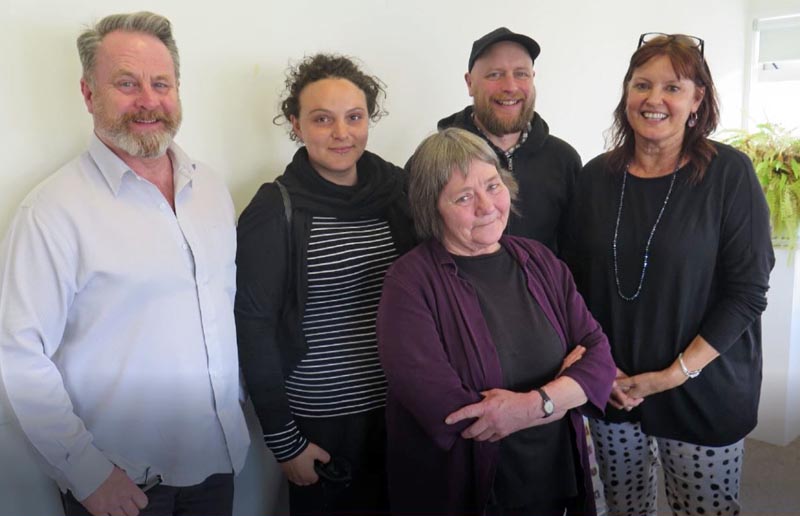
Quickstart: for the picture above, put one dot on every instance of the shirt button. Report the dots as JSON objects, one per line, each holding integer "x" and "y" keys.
{"x": 184, "y": 247}
{"x": 162, "y": 206}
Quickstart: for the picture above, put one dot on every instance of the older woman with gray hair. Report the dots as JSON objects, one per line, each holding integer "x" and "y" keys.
{"x": 488, "y": 350}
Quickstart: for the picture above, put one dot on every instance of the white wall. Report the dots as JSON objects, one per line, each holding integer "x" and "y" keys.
{"x": 772, "y": 8}
{"x": 779, "y": 409}
{"x": 233, "y": 57}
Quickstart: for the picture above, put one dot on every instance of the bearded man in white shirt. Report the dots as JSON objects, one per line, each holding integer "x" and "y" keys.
{"x": 117, "y": 339}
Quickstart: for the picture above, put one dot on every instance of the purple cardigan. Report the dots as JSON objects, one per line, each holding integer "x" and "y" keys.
{"x": 438, "y": 356}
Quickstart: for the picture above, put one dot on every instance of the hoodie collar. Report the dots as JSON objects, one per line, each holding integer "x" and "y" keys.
{"x": 539, "y": 130}
{"x": 509, "y": 154}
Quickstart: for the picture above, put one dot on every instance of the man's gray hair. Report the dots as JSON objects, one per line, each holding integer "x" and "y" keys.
{"x": 431, "y": 167}
{"x": 143, "y": 21}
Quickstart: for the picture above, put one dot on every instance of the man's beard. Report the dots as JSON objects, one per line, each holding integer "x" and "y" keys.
{"x": 500, "y": 126}
{"x": 140, "y": 145}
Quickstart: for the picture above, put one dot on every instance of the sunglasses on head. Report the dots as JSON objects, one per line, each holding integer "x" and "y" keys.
{"x": 692, "y": 41}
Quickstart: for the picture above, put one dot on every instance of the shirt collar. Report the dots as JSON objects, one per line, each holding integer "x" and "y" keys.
{"x": 522, "y": 137}
{"x": 114, "y": 169}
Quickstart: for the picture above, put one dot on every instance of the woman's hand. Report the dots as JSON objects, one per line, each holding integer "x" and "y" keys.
{"x": 500, "y": 413}
{"x": 621, "y": 396}
{"x": 300, "y": 470}
{"x": 643, "y": 385}
{"x": 630, "y": 391}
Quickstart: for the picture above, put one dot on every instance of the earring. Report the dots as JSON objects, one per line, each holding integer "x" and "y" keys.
{"x": 692, "y": 121}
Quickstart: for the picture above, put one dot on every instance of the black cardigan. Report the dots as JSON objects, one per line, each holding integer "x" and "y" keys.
{"x": 708, "y": 274}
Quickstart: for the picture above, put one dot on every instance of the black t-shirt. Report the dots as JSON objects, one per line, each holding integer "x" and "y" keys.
{"x": 535, "y": 463}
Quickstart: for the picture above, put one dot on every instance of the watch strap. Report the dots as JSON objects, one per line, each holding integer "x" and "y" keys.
{"x": 548, "y": 407}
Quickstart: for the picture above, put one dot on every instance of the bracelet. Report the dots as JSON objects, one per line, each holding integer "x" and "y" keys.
{"x": 689, "y": 374}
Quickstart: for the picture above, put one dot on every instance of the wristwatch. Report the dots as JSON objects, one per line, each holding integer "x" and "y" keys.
{"x": 548, "y": 407}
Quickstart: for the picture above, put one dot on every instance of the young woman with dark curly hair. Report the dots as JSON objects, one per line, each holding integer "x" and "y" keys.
{"x": 313, "y": 247}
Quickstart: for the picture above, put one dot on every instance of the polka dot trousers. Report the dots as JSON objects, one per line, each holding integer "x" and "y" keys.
{"x": 699, "y": 480}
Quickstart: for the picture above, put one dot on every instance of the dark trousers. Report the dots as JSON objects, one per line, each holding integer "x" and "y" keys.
{"x": 212, "y": 497}
{"x": 539, "y": 508}
{"x": 360, "y": 439}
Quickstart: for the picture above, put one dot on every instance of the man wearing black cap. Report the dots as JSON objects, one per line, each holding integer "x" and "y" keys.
{"x": 500, "y": 81}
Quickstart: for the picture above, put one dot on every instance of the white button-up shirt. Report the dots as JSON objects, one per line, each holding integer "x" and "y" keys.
{"x": 117, "y": 338}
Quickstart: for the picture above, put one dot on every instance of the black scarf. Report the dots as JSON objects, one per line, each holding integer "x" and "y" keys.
{"x": 379, "y": 186}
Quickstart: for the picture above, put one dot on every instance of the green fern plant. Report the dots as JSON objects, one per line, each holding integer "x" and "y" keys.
{"x": 775, "y": 153}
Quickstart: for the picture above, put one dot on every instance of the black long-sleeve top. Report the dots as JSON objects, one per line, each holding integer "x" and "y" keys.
{"x": 708, "y": 274}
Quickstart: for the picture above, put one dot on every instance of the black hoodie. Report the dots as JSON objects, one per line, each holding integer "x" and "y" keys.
{"x": 545, "y": 168}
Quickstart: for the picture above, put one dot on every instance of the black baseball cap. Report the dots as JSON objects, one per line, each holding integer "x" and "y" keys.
{"x": 501, "y": 34}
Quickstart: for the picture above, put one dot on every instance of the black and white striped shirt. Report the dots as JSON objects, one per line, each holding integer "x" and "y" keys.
{"x": 340, "y": 373}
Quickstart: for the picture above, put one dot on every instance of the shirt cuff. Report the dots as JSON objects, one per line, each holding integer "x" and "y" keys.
{"x": 85, "y": 472}
{"x": 287, "y": 444}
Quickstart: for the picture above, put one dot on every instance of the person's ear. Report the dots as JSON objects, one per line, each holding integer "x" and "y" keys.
{"x": 468, "y": 80}
{"x": 88, "y": 95}
{"x": 296, "y": 127}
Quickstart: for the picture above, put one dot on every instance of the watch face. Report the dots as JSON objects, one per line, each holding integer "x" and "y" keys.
{"x": 548, "y": 407}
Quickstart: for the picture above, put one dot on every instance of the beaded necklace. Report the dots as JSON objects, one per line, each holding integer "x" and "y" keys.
{"x": 649, "y": 239}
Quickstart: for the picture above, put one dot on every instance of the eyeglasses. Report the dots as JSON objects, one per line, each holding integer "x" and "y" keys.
{"x": 692, "y": 41}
